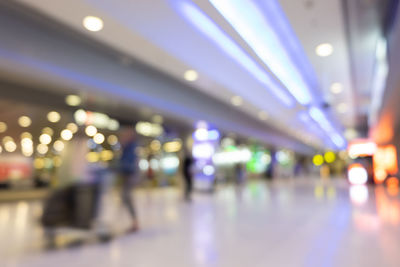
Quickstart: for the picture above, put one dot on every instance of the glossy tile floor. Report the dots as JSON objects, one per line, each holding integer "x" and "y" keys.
{"x": 303, "y": 222}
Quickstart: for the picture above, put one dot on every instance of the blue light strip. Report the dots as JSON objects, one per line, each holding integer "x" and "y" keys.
{"x": 209, "y": 28}
{"x": 319, "y": 116}
{"x": 262, "y": 36}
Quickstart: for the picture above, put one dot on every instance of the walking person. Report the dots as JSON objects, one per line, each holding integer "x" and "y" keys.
{"x": 187, "y": 175}
{"x": 127, "y": 171}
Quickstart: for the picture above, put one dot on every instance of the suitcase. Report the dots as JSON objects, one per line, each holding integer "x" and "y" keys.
{"x": 72, "y": 206}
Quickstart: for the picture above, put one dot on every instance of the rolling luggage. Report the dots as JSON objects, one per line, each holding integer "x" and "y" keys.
{"x": 72, "y": 206}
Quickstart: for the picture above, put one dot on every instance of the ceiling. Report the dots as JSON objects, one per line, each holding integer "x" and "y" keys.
{"x": 157, "y": 34}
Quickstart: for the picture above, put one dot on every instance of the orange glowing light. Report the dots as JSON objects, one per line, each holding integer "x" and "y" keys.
{"x": 379, "y": 176}
{"x": 393, "y": 191}
{"x": 392, "y": 182}
{"x": 388, "y": 209}
{"x": 385, "y": 159}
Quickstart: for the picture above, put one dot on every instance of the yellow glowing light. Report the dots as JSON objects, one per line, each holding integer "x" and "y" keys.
{"x": 57, "y": 161}
{"x": 331, "y": 192}
{"x": 158, "y": 119}
{"x": 58, "y": 145}
{"x": 80, "y": 116}
{"x": 112, "y": 140}
{"x": 106, "y": 155}
{"x": 48, "y": 163}
{"x": 66, "y": 134}
{"x": 318, "y": 160}
{"x": 319, "y": 192}
{"x": 3, "y": 127}
{"x": 24, "y": 121}
{"x": 72, "y": 127}
{"x": 1, "y": 149}
{"x": 173, "y": 146}
{"x": 45, "y": 139}
{"x": 26, "y": 135}
{"x": 191, "y": 75}
{"x": 7, "y": 138}
{"x": 113, "y": 125}
{"x": 10, "y": 146}
{"x": 48, "y": 130}
{"x": 42, "y": 149}
{"x": 324, "y": 50}
{"x": 38, "y": 163}
{"x": 92, "y": 23}
{"x": 155, "y": 145}
{"x": 351, "y": 133}
{"x": 27, "y": 152}
{"x": 92, "y": 156}
{"x": 73, "y": 100}
{"x": 98, "y": 138}
{"x": 329, "y": 157}
{"x": 236, "y": 100}
{"x": 26, "y": 142}
{"x": 53, "y": 116}
{"x": 90, "y": 130}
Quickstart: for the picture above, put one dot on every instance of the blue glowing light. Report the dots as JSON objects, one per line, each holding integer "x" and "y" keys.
{"x": 210, "y": 29}
{"x": 319, "y": 116}
{"x": 262, "y": 35}
{"x": 213, "y": 135}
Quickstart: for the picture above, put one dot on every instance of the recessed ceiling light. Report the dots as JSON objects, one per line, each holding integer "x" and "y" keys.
{"x": 191, "y": 75}
{"x": 236, "y": 100}
{"x": 324, "y": 50}
{"x": 342, "y": 108}
{"x": 53, "y": 116}
{"x": 92, "y": 23}
{"x": 66, "y": 134}
{"x": 72, "y": 127}
{"x": 350, "y": 133}
{"x": 262, "y": 115}
{"x": 3, "y": 127}
{"x": 336, "y": 88}
{"x": 98, "y": 138}
{"x": 73, "y": 100}
{"x": 90, "y": 130}
{"x": 24, "y": 121}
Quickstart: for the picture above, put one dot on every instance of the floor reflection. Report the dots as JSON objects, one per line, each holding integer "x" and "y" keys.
{"x": 301, "y": 222}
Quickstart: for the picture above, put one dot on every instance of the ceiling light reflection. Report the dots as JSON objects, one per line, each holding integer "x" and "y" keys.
{"x": 73, "y": 100}
{"x": 246, "y": 18}
{"x": 191, "y": 75}
{"x": 24, "y": 121}
{"x": 93, "y": 23}
{"x": 53, "y": 116}
{"x": 324, "y": 50}
{"x": 226, "y": 44}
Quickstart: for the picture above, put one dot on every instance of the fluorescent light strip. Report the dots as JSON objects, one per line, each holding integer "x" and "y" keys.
{"x": 209, "y": 28}
{"x": 319, "y": 116}
{"x": 379, "y": 81}
{"x": 261, "y": 36}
